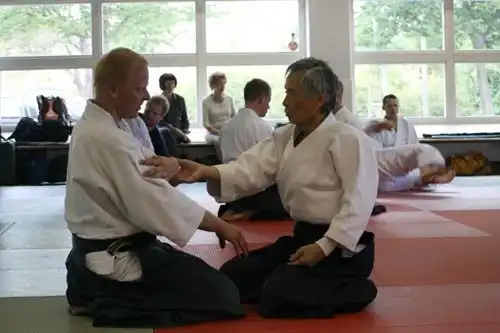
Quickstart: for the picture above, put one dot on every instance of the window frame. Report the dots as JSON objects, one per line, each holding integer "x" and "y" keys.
{"x": 201, "y": 59}
{"x": 449, "y": 56}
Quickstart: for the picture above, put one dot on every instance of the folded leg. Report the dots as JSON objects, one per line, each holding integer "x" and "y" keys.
{"x": 250, "y": 273}
{"x": 265, "y": 205}
{"x": 336, "y": 285}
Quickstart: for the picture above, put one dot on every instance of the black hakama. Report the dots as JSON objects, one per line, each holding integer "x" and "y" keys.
{"x": 338, "y": 284}
{"x": 176, "y": 288}
{"x": 267, "y": 205}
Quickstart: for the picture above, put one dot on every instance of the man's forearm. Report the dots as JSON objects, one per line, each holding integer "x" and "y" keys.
{"x": 211, "y": 223}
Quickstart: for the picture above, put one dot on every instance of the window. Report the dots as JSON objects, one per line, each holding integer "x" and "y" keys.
{"x": 238, "y": 76}
{"x": 186, "y": 86}
{"x": 150, "y": 27}
{"x": 398, "y": 25}
{"x": 252, "y": 26}
{"x": 50, "y": 48}
{"x": 476, "y": 24}
{"x": 45, "y": 30}
{"x": 19, "y": 89}
{"x": 464, "y": 36}
{"x": 477, "y": 89}
{"x": 420, "y": 89}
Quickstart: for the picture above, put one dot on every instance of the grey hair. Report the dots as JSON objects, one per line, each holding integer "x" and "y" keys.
{"x": 319, "y": 79}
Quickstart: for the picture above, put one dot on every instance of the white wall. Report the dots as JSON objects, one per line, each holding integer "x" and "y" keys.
{"x": 329, "y": 28}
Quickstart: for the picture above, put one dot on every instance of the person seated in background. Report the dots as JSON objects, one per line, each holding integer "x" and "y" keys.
{"x": 400, "y": 132}
{"x": 118, "y": 272}
{"x": 343, "y": 114}
{"x": 411, "y": 167}
{"x": 327, "y": 177}
{"x": 177, "y": 116}
{"x": 240, "y": 134}
{"x": 217, "y": 108}
{"x": 163, "y": 141}
{"x": 144, "y": 128}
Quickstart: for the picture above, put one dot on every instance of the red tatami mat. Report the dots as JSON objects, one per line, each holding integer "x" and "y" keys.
{"x": 438, "y": 271}
{"x": 456, "y": 308}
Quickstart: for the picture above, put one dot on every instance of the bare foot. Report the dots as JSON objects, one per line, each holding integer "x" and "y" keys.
{"x": 443, "y": 177}
{"x": 232, "y": 216}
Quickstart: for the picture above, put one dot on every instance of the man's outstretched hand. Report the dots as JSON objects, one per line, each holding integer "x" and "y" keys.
{"x": 161, "y": 167}
{"x": 233, "y": 235}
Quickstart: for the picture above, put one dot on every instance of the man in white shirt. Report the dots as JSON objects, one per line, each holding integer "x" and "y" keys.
{"x": 247, "y": 128}
{"x": 242, "y": 132}
{"x": 327, "y": 177}
{"x": 117, "y": 271}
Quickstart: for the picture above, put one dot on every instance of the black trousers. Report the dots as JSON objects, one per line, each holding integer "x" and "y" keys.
{"x": 176, "y": 288}
{"x": 267, "y": 205}
{"x": 335, "y": 285}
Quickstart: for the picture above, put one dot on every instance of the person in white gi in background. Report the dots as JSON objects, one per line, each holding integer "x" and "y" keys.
{"x": 327, "y": 177}
{"x": 117, "y": 270}
{"x": 140, "y": 131}
{"x": 401, "y": 168}
{"x": 411, "y": 167}
{"x": 343, "y": 114}
{"x": 401, "y": 132}
{"x": 242, "y": 132}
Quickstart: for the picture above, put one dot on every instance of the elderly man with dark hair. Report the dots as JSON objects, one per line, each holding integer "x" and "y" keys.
{"x": 327, "y": 178}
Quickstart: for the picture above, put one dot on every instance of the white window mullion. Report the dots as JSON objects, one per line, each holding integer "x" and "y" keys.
{"x": 449, "y": 47}
{"x": 201, "y": 54}
{"x": 97, "y": 29}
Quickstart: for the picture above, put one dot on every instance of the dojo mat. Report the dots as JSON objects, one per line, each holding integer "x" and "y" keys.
{"x": 437, "y": 267}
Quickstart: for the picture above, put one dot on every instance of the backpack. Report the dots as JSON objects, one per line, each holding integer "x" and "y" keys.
{"x": 53, "y": 109}
{"x": 470, "y": 164}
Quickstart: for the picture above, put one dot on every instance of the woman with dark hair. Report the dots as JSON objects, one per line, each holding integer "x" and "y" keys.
{"x": 177, "y": 114}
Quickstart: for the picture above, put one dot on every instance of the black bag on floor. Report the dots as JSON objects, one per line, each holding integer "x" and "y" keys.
{"x": 8, "y": 164}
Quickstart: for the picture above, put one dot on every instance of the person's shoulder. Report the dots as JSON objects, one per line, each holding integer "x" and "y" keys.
{"x": 284, "y": 130}
{"x": 102, "y": 139}
{"x": 207, "y": 99}
{"x": 179, "y": 97}
{"x": 406, "y": 121}
{"x": 343, "y": 131}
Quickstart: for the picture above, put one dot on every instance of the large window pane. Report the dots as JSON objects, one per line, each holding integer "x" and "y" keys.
{"x": 150, "y": 27}
{"x": 45, "y": 30}
{"x": 186, "y": 86}
{"x": 238, "y": 76}
{"x": 477, "y": 89}
{"x": 420, "y": 88}
{"x": 398, "y": 25}
{"x": 477, "y": 24}
{"x": 251, "y": 26}
{"x": 18, "y": 91}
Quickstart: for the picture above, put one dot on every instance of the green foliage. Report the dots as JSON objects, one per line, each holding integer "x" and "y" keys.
{"x": 415, "y": 25}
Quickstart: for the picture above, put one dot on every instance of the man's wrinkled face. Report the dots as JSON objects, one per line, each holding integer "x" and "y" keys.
{"x": 299, "y": 107}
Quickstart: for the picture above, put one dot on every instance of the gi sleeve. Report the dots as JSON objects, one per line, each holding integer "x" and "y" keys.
{"x": 253, "y": 171}
{"x": 150, "y": 204}
{"x": 354, "y": 161}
